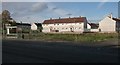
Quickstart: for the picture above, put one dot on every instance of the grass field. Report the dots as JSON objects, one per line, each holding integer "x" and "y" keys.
{"x": 86, "y": 37}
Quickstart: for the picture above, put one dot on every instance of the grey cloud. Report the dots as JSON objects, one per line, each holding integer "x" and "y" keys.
{"x": 69, "y": 14}
{"x": 38, "y": 7}
{"x": 16, "y": 6}
{"x": 30, "y": 8}
{"x": 54, "y": 8}
{"x": 21, "y": 14}
{"x": 61, "y": 12}
{"x": 20, "y": 9}
{"x": 23, "y": 9}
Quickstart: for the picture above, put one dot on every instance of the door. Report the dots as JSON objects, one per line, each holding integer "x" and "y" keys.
{"x": 71, "y": 29}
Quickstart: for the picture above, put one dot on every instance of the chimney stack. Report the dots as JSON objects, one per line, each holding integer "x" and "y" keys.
{"x": 81, "y": 16}
{"x": 111, "y": 16}
{"x": 50, "y": 18}
{"x": 59, "y": 17}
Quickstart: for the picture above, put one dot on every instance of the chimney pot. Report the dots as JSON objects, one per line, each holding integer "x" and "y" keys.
{"x": 59, "y": 17}
{"x": 50, "y": 18}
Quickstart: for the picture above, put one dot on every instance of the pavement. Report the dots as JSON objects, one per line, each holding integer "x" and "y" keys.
{"x": 26, "y": 51}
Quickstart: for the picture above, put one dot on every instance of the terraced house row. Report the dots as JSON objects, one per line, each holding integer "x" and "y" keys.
{"x": 80, "y": 25}
{"x": 76, "y": 24}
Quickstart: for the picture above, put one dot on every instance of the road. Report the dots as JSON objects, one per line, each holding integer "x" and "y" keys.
{"x": 23, "y": 51}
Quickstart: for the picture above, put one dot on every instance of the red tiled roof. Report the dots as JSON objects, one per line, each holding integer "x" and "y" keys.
{"x": 65, "y": 20}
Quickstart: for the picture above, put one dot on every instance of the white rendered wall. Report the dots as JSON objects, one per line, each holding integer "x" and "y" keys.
{"x": 107, "y": 25}
{"x": 65, "y": 27}
{"x": 94, "y": 30}
{"x": 33, "y": 27}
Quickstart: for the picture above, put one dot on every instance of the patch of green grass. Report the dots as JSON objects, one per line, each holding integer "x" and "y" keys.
{"x": 86, "y": 37}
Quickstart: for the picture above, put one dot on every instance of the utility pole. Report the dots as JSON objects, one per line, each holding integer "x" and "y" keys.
{"x": 21, "y": 29}
{"x": 3, "y": 27}
{"x": 2, "y": 30}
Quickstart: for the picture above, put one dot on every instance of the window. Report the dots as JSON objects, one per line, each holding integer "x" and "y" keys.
{"x": 62, "y": 28}
{"x": 66, "y": 28}
{"x": 57, "y": 24}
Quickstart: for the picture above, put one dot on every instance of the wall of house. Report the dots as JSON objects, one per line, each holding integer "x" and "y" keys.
{"x": 33, "y": 26}
{"x": 117, "y": 26}
{"x": 46, "y": 27}
{"x": 94, "y": 30}
{"x": 64, "y": 27}
{"x": 107, "y": 25}
{"x": 23, "y": 26}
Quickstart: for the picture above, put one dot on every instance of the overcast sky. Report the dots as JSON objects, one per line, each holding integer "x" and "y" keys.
{"x": 40, "y": 11}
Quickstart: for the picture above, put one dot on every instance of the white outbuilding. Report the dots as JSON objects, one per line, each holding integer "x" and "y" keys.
{"x": 109, "y": 24}
{"x": 33, "y": 26}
